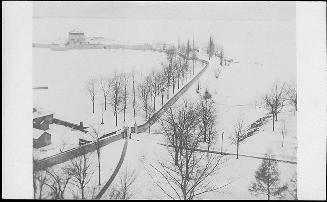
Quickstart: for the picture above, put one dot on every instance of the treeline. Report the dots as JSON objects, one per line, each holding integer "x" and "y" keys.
{"x": 122, "y": 91}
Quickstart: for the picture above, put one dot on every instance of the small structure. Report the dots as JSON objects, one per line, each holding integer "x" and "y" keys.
{"x": 42, "y": 118}
{"x": 76, "y": 37}
{"x": 41, "y": 138}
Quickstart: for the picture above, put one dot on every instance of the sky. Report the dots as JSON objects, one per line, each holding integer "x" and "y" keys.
{"x": 167, "y": 10}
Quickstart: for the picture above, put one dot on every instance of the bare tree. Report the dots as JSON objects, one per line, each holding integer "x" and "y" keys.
{"x": 274, "y": 101}
{"x": 283, "y": 131}
{"x": 144, "y": 90}
{"x": 187, "y": 174}
{"x": 154, "y": 87}
{"x": 91, "y": 89}
{"x": 210, "y": 48}
{"x": 62, "y": 147}
{"x": 57, "y": 182}
{"x": 116, "y": 97}
{"x": 238, "y": 134}
{"x": 194, "y": 57}
{"x": 125, "y": 82}
{"x": 81, "y": 172}
{"x": 162, "y": 86}
{"x": 267, "y": 179}
{"x": 168, "y": 73}
{"x": 134, "y": 97}
{"x": 39, "y": 181}
{"x": 208, "y": 118}
{"x": 95, "y": 134}
{"x": 123, "y": 190}
{"x": 221, "y": 55}
{"x": 292, "y": 187}
{"x": 105, "y": 85}
{"x": 178, "y": 70}
{"x": 291, "y": 95}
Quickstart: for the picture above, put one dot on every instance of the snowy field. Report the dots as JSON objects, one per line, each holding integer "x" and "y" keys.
{"x": 66, "y": 73}
{"x": 231, "y": 102}
{"x": 265, "y": 52}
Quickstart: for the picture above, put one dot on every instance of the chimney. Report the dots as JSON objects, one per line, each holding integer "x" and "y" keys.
{"x": 81, "y": 124}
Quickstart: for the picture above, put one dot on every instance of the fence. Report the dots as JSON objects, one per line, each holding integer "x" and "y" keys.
{"x": 75, "y": 152}
{"x": 142, "y": 128}
{"x": 70, "y": 125}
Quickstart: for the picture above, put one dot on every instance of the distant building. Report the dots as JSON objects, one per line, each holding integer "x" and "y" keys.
{"x": 41, "y": 138}
{"x": 76, "y": 37}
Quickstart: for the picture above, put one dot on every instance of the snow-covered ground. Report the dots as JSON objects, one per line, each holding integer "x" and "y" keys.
{"x": 62, "y": 138}
{"x": 236, "y": 95}
{"x": 110, "y": 156}
{"x": 66, "y": 72}
{"x": 237, "y": 92}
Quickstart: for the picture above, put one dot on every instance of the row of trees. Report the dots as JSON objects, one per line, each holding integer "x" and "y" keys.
{"x": 274, "y": 101}
{"x": 76, "y": 176}
{"x": 115, "y": 90}
{"x": 186, "y": 174}
{"x": 279, "y": 95}
{"x": 215, "y": 50}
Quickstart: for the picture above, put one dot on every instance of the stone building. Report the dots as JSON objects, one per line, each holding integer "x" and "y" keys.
{"x": 41, "y": 138}
{"x": 76, "y": 37}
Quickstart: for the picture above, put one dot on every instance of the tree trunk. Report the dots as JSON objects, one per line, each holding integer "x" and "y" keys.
{"x": 273, "y": 121}
{"x": 40, "y": 194}
{"x": 237, "y": 145}
{"x": 222, "y": 141}
{"x": 173, "y": 87}
{"x": 162, "y": 96}
{"x": 124, "y": 113}
{"x": 146, "y": 110}
{"x": 82, "y": 190}
{"x": 178, "y": 82}
{"x": 154, "y": 103}
{"x": 105, "y": 103}
{"x": 149, "y": 125}
{"x": 116, "y": 119}
{"x": 93, "y": 105}
{"x": 268, "y": 180}
{"x": 99, "y": 165}
{"x": 176, "y": 156}
{"x": 276, "y": 116}
{"x": 134, "y": 100}
{"x": 193, "y": 67}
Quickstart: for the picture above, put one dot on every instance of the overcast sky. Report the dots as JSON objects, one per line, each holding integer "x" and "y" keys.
{"x": 168, "y": 10}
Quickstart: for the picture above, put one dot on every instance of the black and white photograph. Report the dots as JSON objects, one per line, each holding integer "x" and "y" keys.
{"x": 164, "y": 100}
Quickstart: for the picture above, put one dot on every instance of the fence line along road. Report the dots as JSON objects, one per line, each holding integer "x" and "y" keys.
{"x": 142, "y": 128}
{"x": 227, "y": 153}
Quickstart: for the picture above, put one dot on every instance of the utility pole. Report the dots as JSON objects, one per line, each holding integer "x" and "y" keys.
{"x": 222, "y": 141}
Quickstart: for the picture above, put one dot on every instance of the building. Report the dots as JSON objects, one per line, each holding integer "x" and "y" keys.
{"x": 49, "y": 130}
{"x": 42, "y": 118}
{"x": 41, "y": 138}
{"x": 76, "y": 37}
